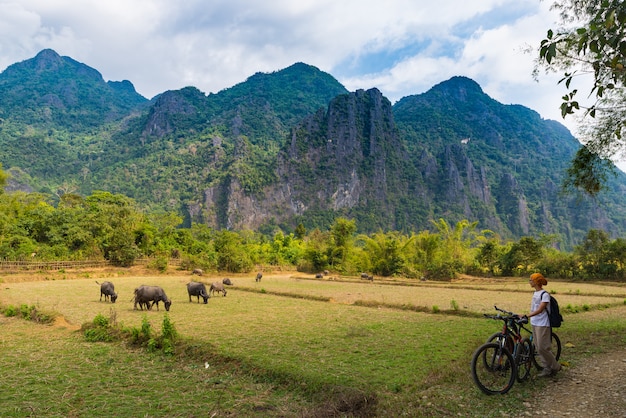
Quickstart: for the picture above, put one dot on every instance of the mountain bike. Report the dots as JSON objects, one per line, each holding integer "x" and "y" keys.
{"x": 497, "y": 364}
{"x": 555, "y": 347}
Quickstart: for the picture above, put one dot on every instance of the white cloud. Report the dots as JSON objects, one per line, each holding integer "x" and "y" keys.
{"x": 413, "y": 44}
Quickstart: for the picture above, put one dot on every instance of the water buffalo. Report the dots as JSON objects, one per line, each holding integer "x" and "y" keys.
{"x": 151, "y": 295}
{"x": 227, "y": 282}
{"x": 258, "y": 277}
{"x": 198, "y": 272}
{"x": 108, "y": 290}
{"x": 197, "y": 289}
{"x": 319, "y": 276}
{"x": 217, "y": 287}
{"x": 367, "y": 277}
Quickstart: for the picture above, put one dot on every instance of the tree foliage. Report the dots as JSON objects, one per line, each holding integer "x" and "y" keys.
{"x": 591, "y": 42}
{"x": 112, "y": 227}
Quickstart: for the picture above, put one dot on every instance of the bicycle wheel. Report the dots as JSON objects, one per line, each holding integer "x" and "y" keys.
{"x": 555, "y": 348}
{"x": 497, "y": 336}
{"x": 493, "y": 369}
{"x": 523, "y": 359}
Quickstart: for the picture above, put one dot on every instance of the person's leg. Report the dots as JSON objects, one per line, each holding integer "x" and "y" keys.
{"x": 542, "y": 337}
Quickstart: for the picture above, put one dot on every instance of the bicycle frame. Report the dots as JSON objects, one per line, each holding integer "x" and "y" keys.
{"x": 511, "y": 339}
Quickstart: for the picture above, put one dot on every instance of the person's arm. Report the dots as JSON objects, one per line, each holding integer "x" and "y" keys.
{"x": 541, "y": 308}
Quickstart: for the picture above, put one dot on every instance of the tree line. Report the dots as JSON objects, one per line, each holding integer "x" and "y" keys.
{"x": 112, "y": 227}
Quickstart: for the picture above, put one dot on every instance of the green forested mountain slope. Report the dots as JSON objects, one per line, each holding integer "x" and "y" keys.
{"x": 53, "y": 91}
{"x": 510, "y": 163}
{"x": 295, "y": 146}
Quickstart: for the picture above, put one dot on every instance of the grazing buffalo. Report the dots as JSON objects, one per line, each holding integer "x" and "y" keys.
{"x": 258, "y": 277}
{"x": 227, "y": 282}
{"x": 198, "y": 272}
{"x": 151, "y": 295}
{"x": 197, "y": 289}
{"x": 326, "y": 272}
{"x": 367, "y": 277}
{"x": 108, "y": 290}
{"x": 319, "y": 276}
{"x": 217, "y": 287}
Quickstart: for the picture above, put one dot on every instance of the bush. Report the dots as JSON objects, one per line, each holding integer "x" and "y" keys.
{"x": 25, "y": 311}
{"x": 160, "y": 264}
{"x": 12, "y": 310}
{"x": 101, "y": 329}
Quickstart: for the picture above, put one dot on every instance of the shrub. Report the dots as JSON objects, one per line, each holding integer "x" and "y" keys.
{"x": 168, "y": 330}
{"x": 101, "y": 321}
{"x": 159, "y": 263}
{"x": 25, "y": 311}
{"x": 101, "y": 329}
{"x": 12, "y": 310}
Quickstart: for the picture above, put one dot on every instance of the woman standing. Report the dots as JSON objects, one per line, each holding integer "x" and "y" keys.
{"x": 542, "y": 332}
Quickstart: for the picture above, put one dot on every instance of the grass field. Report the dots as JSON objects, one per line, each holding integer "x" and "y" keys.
{"x": 287, "y": 346}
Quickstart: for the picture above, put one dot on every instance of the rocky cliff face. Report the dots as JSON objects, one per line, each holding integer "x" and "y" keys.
{"x": 344, "y": 159}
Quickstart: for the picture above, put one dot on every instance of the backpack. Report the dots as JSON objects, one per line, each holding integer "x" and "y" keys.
{"x": 553, "y": 312}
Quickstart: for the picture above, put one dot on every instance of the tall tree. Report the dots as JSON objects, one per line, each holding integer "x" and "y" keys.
{"x": 591, "y": 42}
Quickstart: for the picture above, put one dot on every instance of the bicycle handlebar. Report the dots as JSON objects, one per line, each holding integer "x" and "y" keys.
{"x": 509, "y": 316}
{"x": 502, "y": 310}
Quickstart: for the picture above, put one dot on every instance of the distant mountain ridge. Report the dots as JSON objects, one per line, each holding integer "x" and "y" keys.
{"x": 295, "y": 146}
{"x": 55, "y": 90}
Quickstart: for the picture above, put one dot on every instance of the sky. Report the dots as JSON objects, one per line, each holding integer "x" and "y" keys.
{"x": 401, "y": 47}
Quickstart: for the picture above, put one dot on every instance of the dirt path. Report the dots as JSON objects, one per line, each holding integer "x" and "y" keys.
{"x": 595, "y": 388}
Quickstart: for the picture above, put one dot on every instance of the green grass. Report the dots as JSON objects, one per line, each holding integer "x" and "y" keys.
{"x": 284, "y": 351}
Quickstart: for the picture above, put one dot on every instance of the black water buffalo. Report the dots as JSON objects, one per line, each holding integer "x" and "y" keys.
{"x": 319, "y": 276}
{"x": 151, "y": 295}
{"x": 227, "y": 282}
{"x": 197, "y": 289}
{"x": 199, "y": 272}
{"x": 367, "y": 276}
{"x": 258, "y": 277}
{"x": 108, "y": 290}
{"x": 217, "y": 287}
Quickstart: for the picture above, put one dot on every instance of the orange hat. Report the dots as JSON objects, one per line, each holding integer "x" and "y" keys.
{"x": 538, "y": 279}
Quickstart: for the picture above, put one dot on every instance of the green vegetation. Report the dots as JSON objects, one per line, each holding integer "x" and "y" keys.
{"x": 590, "y": 44}
{"x": 271, "y": 354}
{"x": 105, "y": 226}
{"x": 294, "y": 147}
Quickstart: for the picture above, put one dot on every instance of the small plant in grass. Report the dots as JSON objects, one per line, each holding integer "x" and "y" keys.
{"x": 454, "y": 305}
{"x": 586, "y": 307}
{"x": 140, "y": 336}
{"x": 167, "y": 347}
{"x": 152, "y": 345}
{"x": 26, "y": 311}
{"x": 144, "y": 336}
{"x": 436, "y": 309}
{"x": 101, "y": 321}
{"x": 169, "y": 332}
{"x": 12, "y": 310}
{"x": 102, "y": 328}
